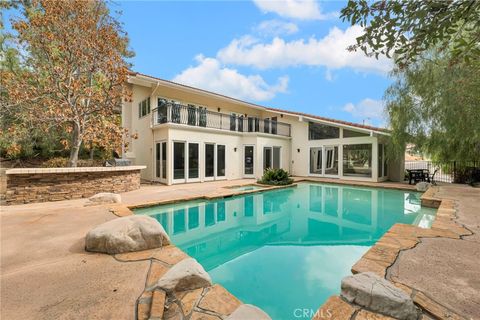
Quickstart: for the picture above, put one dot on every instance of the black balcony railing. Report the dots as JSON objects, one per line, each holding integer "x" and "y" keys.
{"x": 174, "y": 112}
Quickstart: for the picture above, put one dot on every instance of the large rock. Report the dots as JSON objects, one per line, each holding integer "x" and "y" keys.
{"x": 104, "y": 198}
{"x": 377, "y": 294}
{"x": 127, "y": 234}
{"x": 248, "y": 312}
{"x": 188, "y": 274}
{"x": 422, "y": 186}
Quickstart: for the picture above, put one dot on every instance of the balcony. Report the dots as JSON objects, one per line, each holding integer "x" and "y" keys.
{"x": 174, "y": 112}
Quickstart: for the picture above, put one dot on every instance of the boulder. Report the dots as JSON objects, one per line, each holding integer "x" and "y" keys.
{"x": 248, "y": 312}
{"x": 379, "y": 295}
{"x": 188, "y": 274}
{"x": 104, "y": 198}
{"x": 127, "y": 234}
{"x": 422, "y": 186}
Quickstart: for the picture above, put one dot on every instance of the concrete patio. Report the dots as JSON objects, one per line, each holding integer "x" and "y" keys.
{"x": 46, "y": 273}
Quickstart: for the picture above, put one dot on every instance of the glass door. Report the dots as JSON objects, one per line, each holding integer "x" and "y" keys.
{"x": 161, "y": 161}
{"x": 209, "y": 161}
{"x": 179, "y": 161}
{"x": 316, "y": 161}
{"x": 193, "y": 167}
{"x": 331, "y": 161}
{"x": 248, "y": 160}
{"x": 220, "y": 161}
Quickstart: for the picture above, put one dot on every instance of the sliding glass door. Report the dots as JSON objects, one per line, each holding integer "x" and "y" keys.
{"x": 271, "y": 157}
{"x": 220, "y": 160}
{"x": 161, "y": 161}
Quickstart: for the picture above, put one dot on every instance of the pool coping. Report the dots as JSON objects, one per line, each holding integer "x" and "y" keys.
{"x": 384, "y": 253}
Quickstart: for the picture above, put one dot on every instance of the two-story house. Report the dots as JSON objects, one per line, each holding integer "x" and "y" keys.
{"x": 186, "y": 134}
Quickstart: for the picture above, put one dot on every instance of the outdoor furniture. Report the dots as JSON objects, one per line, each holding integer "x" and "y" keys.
{"x": 415, "y": 175}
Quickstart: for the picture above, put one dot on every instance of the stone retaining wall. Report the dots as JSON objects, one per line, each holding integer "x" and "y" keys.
{"x": 55, "y": 184}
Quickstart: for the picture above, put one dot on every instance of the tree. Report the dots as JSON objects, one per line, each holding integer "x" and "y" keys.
{"x": 409, "y": 29}
{"x": 72, "y": 74}
{"x": 436, "y": 106}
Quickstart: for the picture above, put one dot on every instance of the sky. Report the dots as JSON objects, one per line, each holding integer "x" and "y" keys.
{"x": 288, "y": 54}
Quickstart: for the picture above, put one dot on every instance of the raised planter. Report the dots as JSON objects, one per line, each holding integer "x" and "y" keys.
{"x": 54, "y": 184}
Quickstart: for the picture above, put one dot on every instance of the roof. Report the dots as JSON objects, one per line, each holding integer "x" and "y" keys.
{"x": 341, "y": 122}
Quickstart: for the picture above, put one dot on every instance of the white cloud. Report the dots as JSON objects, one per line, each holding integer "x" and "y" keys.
{"x": 367, "y": 110}
{"x": 276, "y": 27}
{"x": 209, "y": 74}
{"x": 296, "y": 9}
{"x": 329, "y": 51}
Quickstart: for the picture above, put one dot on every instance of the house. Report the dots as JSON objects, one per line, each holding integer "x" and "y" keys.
{"x": 185, "y": 134}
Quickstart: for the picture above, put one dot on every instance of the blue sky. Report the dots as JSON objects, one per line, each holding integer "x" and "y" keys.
{"x": 284, "y": 54}
{"x": 288, "y": 54}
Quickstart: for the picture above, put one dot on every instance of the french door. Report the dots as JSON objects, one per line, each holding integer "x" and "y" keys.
{"x": 324, "y": 161}
{"x": 214, "y": 164}
{"x": 161, "y": 161}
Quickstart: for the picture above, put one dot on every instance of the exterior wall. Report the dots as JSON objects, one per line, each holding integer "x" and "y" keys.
{"x": 47, "y": 185}
{"x": 295, "y": 150}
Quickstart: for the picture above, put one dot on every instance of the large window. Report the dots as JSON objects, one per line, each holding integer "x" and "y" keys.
{"x": 192, "y": 160}
{"x": 316, "y": 160}
{"x": 220, "y": 160}
{"x": 317, "y": 131}
{"x": 357, "y": 160}
{"x": 178, "y": 160}
{"x": 352, "y": 134}
{"x": 144, "y": 108}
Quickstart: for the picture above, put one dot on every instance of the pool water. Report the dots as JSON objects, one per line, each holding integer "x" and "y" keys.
{"x": 287, "y": 250}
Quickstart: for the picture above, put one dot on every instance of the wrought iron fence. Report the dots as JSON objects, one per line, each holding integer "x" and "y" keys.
{"x": 173, "y": 112}
{"x": 450, "y": 172}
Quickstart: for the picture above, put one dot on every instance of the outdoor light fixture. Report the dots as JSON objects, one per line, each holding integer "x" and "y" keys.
{"x": 281, "y": 116}
{"x": 218, "y": 109}
{"x": 298, "y": 150}
{"x": 235, "y": 149}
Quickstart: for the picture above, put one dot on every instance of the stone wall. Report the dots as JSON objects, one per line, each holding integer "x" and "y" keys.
{"x": 41, "y": 185}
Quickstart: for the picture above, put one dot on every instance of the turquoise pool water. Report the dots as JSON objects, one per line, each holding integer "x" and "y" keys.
{"x": 287, "y": 250}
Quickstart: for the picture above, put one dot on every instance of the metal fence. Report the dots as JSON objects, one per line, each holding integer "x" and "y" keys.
{"x": 450, "y": 172}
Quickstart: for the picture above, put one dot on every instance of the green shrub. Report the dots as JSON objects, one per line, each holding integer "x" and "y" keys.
{"x": 277, "y": 177}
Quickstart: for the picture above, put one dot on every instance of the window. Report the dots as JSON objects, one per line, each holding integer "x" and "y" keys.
{"x": 162, "y": 111}
{"x": 317, "y": 131}
{"x": 271, "y": 157}
{"x": 176, "y": 112}
{"x": 220, "y": 160}
{"x": 274, "y": 125}
{"x": 202, "y": 121}
{"x": 157, "y": 160}
{"x": 266, "y": 125}
{"x": 316, "y": 160}
{"x": 380, "y": 160}
{"x": 357, "y": 160}
{"x": 352, "y": 134}
{"x": 164, "y": 160}
{"x": 233, "y": 122}
{"x": 144, "y": 108}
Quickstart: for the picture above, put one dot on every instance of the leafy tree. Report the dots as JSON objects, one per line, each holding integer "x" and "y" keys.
{"x": 410, "y": 28}
{"x": 70, "y": 75}
{"x": 436, "y": 106}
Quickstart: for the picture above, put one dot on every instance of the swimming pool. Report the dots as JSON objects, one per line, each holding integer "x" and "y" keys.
{"x": 287, "y": 250}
